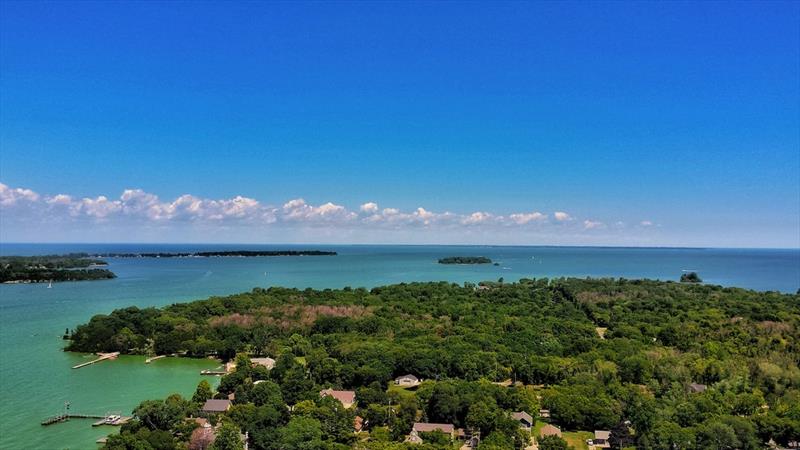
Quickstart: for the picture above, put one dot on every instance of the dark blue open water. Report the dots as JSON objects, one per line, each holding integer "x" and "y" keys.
{"x": 35, "y": 375}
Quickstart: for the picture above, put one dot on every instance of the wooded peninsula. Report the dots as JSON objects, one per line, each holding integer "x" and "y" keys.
{"x": 232, "y": 253}
{"x": 465, "y": 260}
{"x": 567, "y": 362}
{"x": 46, "y": 268}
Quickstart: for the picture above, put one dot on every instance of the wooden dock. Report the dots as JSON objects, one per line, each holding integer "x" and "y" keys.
{"x": 213, "y": 372}
{"x": 149, "y": 360}
{"x": 64, "y": 417}
{"x": 110, "y": 419}
{"x": 102, "y": 357}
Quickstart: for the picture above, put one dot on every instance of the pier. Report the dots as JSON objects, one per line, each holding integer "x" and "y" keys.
{"x": 102, "y": 357}
{"x": 65, "y": 417}
{"x": 213, "y": 372}
{"x": 109, "y": 419}
{"x": 149, "y": 360}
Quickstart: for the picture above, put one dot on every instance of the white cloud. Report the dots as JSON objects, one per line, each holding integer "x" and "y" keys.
{"x": 561, "y": 216}
{"x": 525, "y": 218}
{"x": 299, "y": 210}
{"x": 478, "y": 218}
{"x": 591, "y": 224}
{"x": 99, "y": 208}
{"x": 369, "y": 208}
{"x": 140, "y": 208}
{"x": 59, "y": 199}
{"x": 10, "y": 197}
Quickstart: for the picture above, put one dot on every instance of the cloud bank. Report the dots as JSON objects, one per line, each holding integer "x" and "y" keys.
{"x": 136, "y": 209}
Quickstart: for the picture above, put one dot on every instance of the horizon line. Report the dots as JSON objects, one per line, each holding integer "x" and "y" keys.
{"x": 653, "y": 247}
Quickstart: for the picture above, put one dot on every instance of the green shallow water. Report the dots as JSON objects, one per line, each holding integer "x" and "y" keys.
{"x": 36, "y": 376}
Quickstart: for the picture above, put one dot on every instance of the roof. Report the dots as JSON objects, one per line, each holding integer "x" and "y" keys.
{"x": 428, "y": 427}
{"x": 410, "y": 377}
{"x": 697, "y": 387}
{"x": 358, "y": 423}
{"x": 202, "y": 438}
{"x": 602, "y": 434}
{"x": 214, "y": 405}
{"x": 346, "y": 397}
{"x": 550, "y": 430}
{"x": 269, "y": 363}
{"x": 522, "y": 415}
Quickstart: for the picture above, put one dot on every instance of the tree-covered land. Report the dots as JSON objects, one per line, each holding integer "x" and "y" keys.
{"x": 37, "y": 269}
{"x": 690, "y": 277}
{"x": 465, "y": 260}
{"x": 678, "y": 366}
{"x": 231, "y": 253}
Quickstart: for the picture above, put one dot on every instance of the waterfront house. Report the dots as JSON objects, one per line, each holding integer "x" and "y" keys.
{"x": 348, "y": 398}
{"x": 525, "y": 420}
{"x": 550, "y": 430}
{"x": 406, "y": 380}
{"x": 215, "y": 406}
{"x": 601, "y": 439}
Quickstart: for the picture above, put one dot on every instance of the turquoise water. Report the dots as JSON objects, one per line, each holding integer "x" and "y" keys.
{"x": 35, "y": 375}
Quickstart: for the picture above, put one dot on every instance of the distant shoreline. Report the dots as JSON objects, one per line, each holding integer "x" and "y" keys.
{"x": 217, "y": 254}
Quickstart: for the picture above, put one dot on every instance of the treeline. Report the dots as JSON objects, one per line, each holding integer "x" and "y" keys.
{"x": 38, "y": 269}
{"x": 675, "y": 366}
{"x": 241, "y": 253}
{"x": 465, "y": 260}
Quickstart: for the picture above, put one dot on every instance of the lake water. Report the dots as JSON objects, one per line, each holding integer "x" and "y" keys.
{"x": 36, "y": 376}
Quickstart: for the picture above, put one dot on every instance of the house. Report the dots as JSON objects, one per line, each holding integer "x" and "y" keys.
{"x": 215, "y": 406}
{"x": 269, "y": 363}
{"x": 348, "y": 398}
{"x": 406, "y": 380}
{"x": 550, "y": 430}
{"x": 358, "y": 424}
{"x": 697, "y": 388}
{"x": 202, "y": 437}
{"x": 415, "y": 438}
{"x": 525, "y": 420}
{"x": 601, "y": 439}
{"x": 446, "y": 428}
{"x": 544, "y": 413}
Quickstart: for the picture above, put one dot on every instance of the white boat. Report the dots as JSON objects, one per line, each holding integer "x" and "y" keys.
{"x": 50, "y": 285}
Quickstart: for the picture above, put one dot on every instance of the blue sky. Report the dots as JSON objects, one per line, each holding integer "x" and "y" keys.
{"x": 672, "y": 123}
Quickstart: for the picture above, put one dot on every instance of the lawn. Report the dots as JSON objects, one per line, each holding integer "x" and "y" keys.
{"x": 577, "y": 439}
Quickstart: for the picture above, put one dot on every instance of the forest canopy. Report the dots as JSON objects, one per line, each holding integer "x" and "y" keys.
{"x": 675, "y": 364}
{"x": 465, "y": 260}
{"x": 37, "y": 269}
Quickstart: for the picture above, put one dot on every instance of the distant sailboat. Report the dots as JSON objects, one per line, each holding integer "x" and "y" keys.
{"x": 50, "y": 285}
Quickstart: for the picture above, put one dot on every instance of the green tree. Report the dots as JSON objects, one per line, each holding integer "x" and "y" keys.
{"x": 228, "y": 438}
{"x": 301, "y": 433}
{"x": 715, "y": 435}
{"x": 203, "y": 392}
{"x": 553, "y": 442}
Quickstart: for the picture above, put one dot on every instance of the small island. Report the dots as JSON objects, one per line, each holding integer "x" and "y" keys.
{"x": 465, "y": 260}
{"x": 52, "y": 268}
{"x": 691, "y": 277}
{"x": 230, "y": 253}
